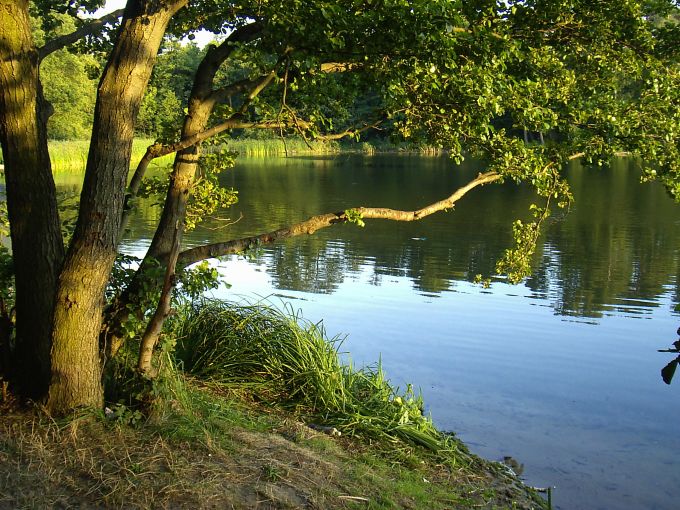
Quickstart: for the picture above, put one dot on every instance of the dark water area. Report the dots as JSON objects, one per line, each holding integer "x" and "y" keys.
{"x": 561, "y": 372}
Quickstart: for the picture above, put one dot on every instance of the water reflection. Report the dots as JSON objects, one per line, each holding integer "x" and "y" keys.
{"x": 615, "y": 252}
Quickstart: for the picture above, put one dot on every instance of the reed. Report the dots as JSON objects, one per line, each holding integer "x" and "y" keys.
{"x": 71, "y": 155}
{"x": 276, "y": 146}
{"x": 291, "y": 363}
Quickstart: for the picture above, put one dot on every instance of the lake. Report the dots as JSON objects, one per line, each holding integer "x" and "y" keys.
{"x": 561, "y": 372}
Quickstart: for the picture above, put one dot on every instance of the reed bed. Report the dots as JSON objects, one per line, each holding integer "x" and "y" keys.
{"x": 71, "y": 155}
{"x": 277, "y": 147}
{"x": 291, "y": 363}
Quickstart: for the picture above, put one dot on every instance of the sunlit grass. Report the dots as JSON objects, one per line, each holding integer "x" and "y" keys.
{"x": 277, "y": 146}
{"x": 71, "y": 155}
{"x": 292, "y": 364}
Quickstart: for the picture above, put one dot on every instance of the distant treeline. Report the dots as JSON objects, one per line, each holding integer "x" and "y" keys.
{"x": 70, "y": 79}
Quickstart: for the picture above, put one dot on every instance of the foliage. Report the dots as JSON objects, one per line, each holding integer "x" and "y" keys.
{"x": 668, "y": 371}
{"x": 51, "y": 12}
{"x": 207, "y": 195}
{"x": 160, "y": 114}
{"x": 516, "y": 262}
{"x": 6, "y": 264}
{"x": 291, "y": 363}
{"x": 71, "y": 91}
{"x": 165, "y": 100}
{"x": 191, "y": 283}
{"x": 69, "y": 81}
{"x": 354, "y": 216}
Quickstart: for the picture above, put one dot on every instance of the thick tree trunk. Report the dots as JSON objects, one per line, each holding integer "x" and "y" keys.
{"x": 31, "y": 199}
{"x": 76, "y": 377}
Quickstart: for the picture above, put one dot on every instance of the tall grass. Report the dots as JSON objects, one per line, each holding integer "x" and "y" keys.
{"x": 71, "y": 155}
{"x": 276, "y": 146}
{"x": 291, "y": 363}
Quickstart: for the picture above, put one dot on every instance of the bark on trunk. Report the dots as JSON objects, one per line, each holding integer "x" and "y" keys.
{"x": 201, "y": 104}
{"x": 37, "y": 245}
{"x": 76, "y": 377}
{"x": 181, "y": 179}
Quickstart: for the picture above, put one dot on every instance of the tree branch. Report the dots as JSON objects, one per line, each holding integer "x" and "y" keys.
{"x": 315, "y": 223}
{"x": 618, "y": 154}
{"x": 338, "y": 67}
{"x": 158, "y": 150}
{"x": 90, "y": 28}
{"x": 349, "y": 132}
{"x": 217, "y": 55}
{"x": 155, "y": 326}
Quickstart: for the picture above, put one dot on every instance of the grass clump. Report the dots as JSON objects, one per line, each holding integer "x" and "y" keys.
{"x": 292, "y": 364}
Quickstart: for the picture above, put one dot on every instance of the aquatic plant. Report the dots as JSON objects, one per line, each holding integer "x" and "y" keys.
{"x": 278, "y": 146}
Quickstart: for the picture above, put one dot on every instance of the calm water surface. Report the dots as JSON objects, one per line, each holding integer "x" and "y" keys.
{"x": 561, "y": 372}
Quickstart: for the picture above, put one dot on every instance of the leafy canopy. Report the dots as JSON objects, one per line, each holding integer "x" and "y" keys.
{"x": 590, "y": 79}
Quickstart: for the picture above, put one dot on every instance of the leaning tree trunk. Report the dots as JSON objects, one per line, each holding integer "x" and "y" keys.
{"x": 76, "y": 376}
{"x": 168, "y": 233}
{"x": 37, "y": 245}
{"x": 170, "y": 228}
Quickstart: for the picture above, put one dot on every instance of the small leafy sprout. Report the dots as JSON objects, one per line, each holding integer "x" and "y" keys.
{"x": 123, "y": 415}
{"x": 354, "y": 216}
{"x": 272, "y": 473}
{"x": 484, "y": 282}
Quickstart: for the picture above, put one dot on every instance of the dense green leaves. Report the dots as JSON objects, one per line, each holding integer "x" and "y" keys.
{"x": 524, "y": 85}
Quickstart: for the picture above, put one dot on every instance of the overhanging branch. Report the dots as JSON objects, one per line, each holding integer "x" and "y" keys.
{"x": 321, "y": 221}
{"x": 89, "y": 28}
{"x": 158, "y": 150}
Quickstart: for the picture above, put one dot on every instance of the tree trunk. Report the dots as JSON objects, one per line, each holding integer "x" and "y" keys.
{"x": 201, "y": 104}
{"x": 76, "y": 377}
{"x": 174, "y": 209}
{"x": 37, "y": 245}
